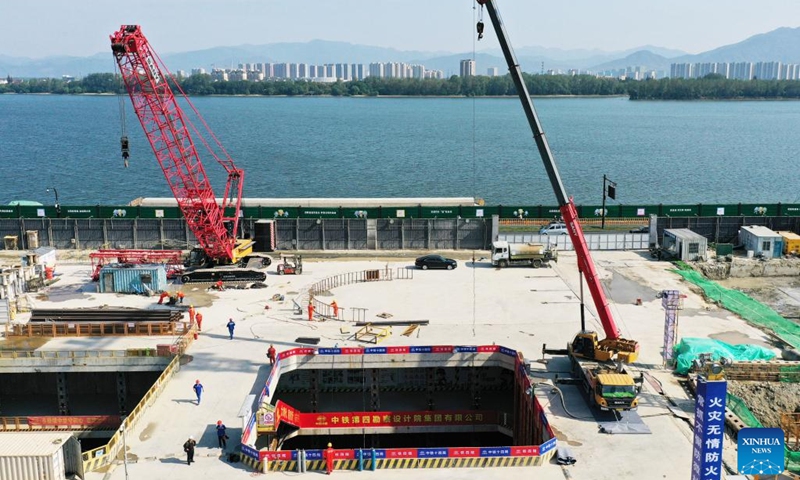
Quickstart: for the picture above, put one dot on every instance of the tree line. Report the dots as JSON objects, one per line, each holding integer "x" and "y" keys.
{"x": 710, "y": 87}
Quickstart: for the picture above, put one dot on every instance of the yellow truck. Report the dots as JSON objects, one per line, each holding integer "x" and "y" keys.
{"x": 609, "y": 386}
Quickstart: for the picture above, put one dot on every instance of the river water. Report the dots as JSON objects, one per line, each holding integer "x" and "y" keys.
{"x": 657, "y": 152}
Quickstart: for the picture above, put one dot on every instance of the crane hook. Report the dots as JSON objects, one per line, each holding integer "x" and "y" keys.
{"x": 123, "y": 142}
{"x": 480, "y": 29}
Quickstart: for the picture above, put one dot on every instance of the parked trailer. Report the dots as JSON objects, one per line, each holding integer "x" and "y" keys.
{"x": 529, "y": 254}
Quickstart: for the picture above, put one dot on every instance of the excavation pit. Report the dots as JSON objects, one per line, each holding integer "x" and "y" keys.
{"x": 429, "y": 406}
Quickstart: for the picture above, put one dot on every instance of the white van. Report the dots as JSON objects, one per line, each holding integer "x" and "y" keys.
{"x": 555, "y": 228}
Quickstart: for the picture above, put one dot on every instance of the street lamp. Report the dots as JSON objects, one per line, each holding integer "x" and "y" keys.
{"x": 58, "y": 207}
{"x": 610, "y": 191}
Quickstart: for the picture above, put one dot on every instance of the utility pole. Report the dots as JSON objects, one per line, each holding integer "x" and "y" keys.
{"x": 610, "y": 190}
{"x": 124, "y": 449}
{"x": 58, "y": 207}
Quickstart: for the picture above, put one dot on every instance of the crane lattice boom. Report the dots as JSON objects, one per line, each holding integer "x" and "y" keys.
{"x": 167, "y": 130}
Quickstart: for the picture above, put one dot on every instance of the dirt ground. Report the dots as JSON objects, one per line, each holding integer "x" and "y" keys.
{"x": 780, "y": 293}
{"x": 767, "y": 400}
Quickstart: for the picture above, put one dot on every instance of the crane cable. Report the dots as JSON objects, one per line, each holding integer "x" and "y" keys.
{"x": 474, "y": 183}
{"x": 123, "y": 139}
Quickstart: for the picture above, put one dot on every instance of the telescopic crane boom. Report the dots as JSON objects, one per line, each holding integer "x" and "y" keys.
{"x": 167, "y": 129}
{"x": 585, "y": 343}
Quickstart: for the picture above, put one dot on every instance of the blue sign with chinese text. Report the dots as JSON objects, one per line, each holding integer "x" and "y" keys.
{"x": 761, "y": 451}
{"x": 709, "y": 427}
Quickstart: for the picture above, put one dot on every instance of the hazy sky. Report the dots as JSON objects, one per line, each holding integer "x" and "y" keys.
{"x": 37, "y": 28}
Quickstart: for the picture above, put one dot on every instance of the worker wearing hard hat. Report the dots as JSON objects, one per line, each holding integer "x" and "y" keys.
{"x": 329, "y": 458}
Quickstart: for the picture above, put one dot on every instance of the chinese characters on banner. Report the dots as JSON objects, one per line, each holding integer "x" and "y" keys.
{"x": 709, "y": 427}
{"x": 394, "y": 419}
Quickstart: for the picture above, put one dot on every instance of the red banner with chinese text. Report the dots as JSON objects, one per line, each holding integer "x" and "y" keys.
{"x": 83, "y": 421}
{"x": 287, "y": 413}
{"x": 397, "y": 419}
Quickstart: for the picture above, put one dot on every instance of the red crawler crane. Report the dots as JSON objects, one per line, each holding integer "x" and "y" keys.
{"x": 167, "y": 130}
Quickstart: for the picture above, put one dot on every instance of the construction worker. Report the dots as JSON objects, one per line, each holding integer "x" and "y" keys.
{"x": 191, "y": 315}
{"x": 162, "y": 297}
{"x": 199, "y": 317}
{"x": 310, "y": 311}
{"x": 271, "y": 354}
{"x": 198, "y": 390}
{"x": 219, "y": 286}
{"x": 222, "y": 436}
{"x": 335, "y": 309}
{"x": 180, "y": 297}
{"x": 329, "y": 458}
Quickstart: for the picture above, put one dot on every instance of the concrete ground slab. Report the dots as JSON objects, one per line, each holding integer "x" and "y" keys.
{"x": 520, "y": 308}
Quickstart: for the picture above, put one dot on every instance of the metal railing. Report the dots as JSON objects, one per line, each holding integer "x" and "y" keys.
{"x": 326, "y": 310}
{"x": 95, "y": 329}
{"x": 51, "y": 354}
{"x": 102, "y": 456}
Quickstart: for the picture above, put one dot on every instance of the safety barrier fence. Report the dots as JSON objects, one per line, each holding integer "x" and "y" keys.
{"x": 102, "y": 456}
{"x": 533, "y": 426}
{"x": 585, "y": 222}
{"x": 95, "y": 329}
{"x": 407, "y": 212}
{"x": 402, "y": 458}
{"x": 596, "y": 241}
{"x": 327, "y": 310}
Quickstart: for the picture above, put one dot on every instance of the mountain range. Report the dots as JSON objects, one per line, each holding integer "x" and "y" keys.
{"x": 781, "y": 45}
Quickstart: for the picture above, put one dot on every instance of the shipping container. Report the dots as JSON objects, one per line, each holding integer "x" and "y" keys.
{"x": 761, "y": 241}
{"x": 29, "y": 456}
{"x": 45, "y": 256}
{"x": 791, "y": 243}
{"x": 133, "y": 279}
{"x": 685, "y": 244}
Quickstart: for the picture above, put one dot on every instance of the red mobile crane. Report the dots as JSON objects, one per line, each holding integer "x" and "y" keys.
{"x": 220, "y": 255}
{"x": 586, "y": 343}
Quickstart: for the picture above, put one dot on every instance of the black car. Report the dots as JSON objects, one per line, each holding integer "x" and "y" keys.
{"x": 644, "y": 229}
{"x": 435, "y": 261}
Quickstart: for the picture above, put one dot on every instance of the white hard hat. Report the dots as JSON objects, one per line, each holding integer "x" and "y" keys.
{"x": 191, "y": 437}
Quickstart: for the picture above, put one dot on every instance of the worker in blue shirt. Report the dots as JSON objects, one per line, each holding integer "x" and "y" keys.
{"x": 222, "y": 438}
{"x": 198, "y": 390}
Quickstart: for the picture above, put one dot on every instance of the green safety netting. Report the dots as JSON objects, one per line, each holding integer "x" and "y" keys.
{"x": 737, "y": 406}
{"x": 751, "y": 310}
{"x": 690, "y": 348}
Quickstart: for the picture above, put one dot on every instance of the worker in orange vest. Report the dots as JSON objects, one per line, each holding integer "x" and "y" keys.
{"x": 180, "y": 296}
{"x": 162, "y": 297}
{"x": 271, "y": 354}
{"x": 335, "y": 309}
{"x": 329, "y": 458}
{"x": 199, "y": 317}
{"x": 191, "y": 314}
{"x": 310, "y": 311}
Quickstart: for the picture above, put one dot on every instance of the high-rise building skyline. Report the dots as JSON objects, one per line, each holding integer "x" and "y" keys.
{"x": 468, "y": 68}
